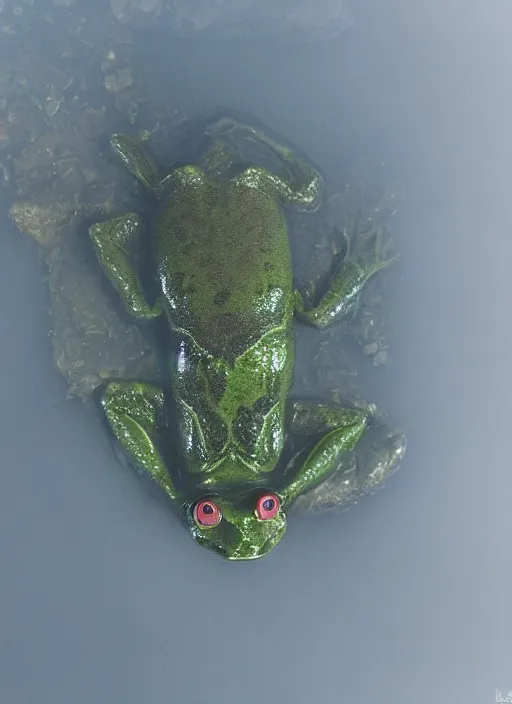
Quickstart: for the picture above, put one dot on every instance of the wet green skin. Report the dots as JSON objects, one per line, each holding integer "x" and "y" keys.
{"x": 223, "y": 269}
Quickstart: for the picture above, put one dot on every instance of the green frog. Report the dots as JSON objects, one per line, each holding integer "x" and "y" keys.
{"x": 222, "y": 271}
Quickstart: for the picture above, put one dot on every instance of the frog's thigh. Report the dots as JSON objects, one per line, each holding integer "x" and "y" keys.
{"x": 112, "y": 241}
{"x": 136, "y": 412}
{"x": 303, "y": 185}
{"x": 342, "y": 429}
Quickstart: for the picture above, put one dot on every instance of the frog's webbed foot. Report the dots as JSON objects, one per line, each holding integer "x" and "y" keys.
{"x": 137, "y": 415}
{"x": 357, "y": 471}
{"x": 367, "y": 253}
{"x": 135, "y": 157}
{"x": 113, "y": 241}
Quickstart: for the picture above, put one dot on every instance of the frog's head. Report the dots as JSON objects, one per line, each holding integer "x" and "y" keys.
{"x": 241, "y": 528}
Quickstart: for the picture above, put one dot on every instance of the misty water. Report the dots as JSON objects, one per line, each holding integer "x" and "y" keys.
{"x": 406, "y": 597}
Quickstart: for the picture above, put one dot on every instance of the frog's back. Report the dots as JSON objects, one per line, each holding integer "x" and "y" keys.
{"x": 224, "y": 264}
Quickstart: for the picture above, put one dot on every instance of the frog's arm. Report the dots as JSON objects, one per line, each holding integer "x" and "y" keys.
{"x": 136, "y": 413}
{"x": 113, "y": 240}
{"x": 358, "y": 472}
{"x": 342, "y": 429}
{"x": 359, "y": 264}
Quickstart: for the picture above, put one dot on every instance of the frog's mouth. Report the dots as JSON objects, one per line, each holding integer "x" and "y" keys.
{"x": 244, "y": 552}
{"x": 241, "y": 541}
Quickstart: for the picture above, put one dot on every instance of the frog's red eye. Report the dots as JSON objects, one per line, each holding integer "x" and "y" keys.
{"x": 206, "y": 514}
{"x": 267, "y": 506}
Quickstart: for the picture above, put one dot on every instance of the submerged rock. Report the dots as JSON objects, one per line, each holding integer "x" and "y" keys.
{"x": 118, "y": 80}
{"x": 92, "y": 339}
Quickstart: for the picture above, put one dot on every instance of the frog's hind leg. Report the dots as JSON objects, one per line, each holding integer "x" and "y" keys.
{"x": 302, "y": 186}
{"x": 340, "y": 429}
{"x": 113, "y": 241}
{"x": 366, "y": 255}
{"x": 137, "y": 415}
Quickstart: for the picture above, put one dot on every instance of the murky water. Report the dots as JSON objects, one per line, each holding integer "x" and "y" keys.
{"x": 403, "y": 598}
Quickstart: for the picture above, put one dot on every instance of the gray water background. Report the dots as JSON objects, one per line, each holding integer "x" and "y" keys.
{"x": 404, "y": 598}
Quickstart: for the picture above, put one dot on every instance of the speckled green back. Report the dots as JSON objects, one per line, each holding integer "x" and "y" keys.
{"x": 225, "y": 265}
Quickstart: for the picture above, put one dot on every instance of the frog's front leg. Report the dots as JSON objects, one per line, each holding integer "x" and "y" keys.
{"x": 340, "y": 430}
{"x": 348, "y": 281}
{"x": 137, "y": 415}
{"x": 113, "y": 240}
{"x": 358, "y": 472}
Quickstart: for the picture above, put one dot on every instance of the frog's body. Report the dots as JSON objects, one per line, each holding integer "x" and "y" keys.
{"x": 242, "y": 355}
{"x": 224, "y": 276}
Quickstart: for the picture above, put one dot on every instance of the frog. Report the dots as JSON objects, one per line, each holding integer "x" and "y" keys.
{"x": 219, "y": 267}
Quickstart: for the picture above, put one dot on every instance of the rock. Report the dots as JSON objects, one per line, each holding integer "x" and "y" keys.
{"x": 370, "y": 349}
{"x": 381, "y": 358}
{"x": 92, "y": 340}
{"x": 45, "y": 223}
{"x": 118, "y": 80}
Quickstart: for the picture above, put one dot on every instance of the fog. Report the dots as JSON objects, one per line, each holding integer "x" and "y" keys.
{"x": 406, "y": 597}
